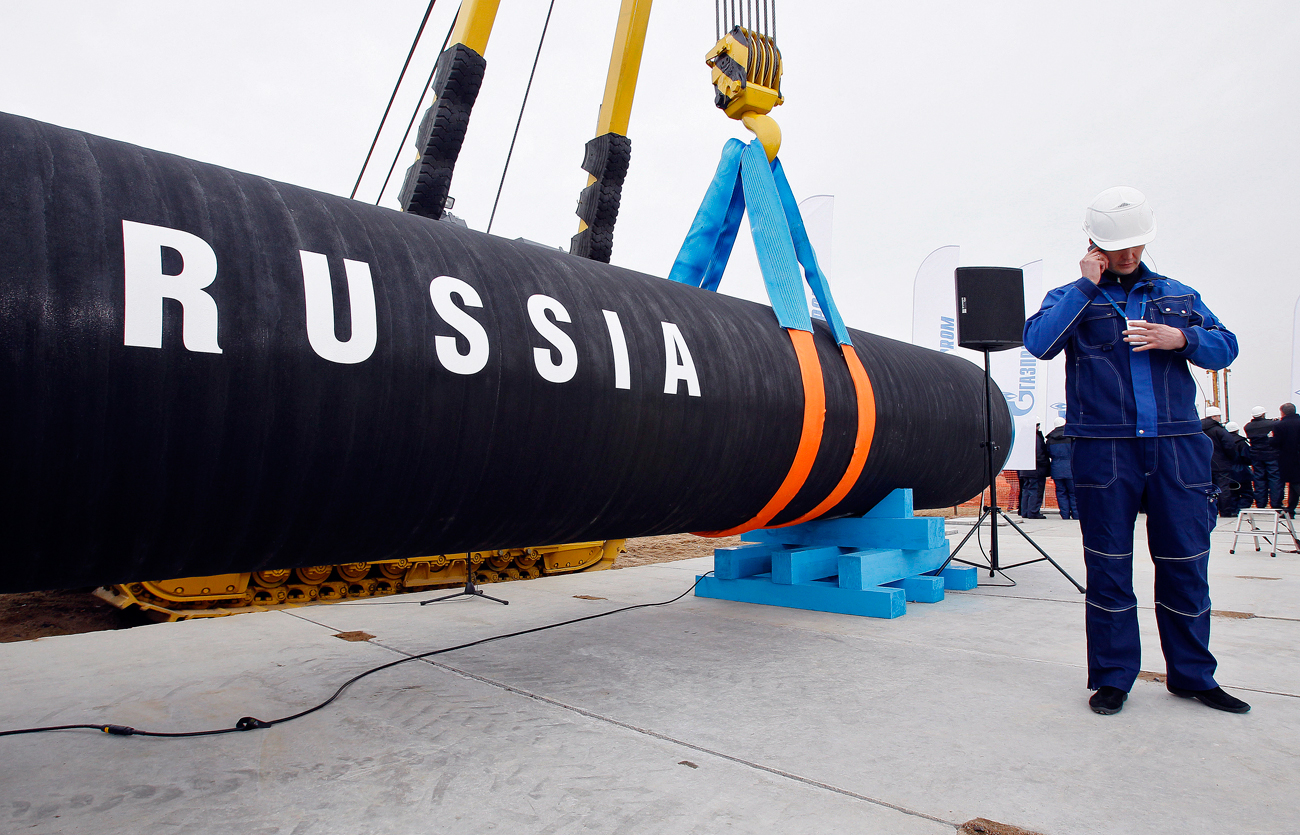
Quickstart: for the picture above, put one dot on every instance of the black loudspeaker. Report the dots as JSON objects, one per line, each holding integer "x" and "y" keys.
{"x": 990, "y": 307}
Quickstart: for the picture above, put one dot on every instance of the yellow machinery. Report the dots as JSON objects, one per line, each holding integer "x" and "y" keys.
{"x": 747, "y": 69}
{"x": 228, "y": 594}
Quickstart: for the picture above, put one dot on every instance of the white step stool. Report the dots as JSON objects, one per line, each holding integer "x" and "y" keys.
{"x": 1249, "y": 524}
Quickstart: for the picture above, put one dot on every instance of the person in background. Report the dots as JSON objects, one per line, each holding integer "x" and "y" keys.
{"x": 1243, "y": 496}
{"x": 1058, "y": 450}
{"x": 1128, "y": 335}
{"x": 1263, "y": 459}
{"x": 1033, "y": 481}
{"x": 1287, "y": 437}
{"x": 1220, "y": 459}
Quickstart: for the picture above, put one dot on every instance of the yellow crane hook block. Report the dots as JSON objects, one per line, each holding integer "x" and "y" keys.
{"x": 747, "y": 82}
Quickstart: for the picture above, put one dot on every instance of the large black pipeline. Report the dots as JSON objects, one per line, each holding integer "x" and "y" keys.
{"x": 205, "y": 371}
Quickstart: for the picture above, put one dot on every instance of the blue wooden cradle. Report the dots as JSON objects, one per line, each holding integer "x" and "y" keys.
{"x": 872, "y": 565}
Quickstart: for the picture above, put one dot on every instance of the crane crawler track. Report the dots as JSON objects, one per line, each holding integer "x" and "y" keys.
{"x": 259, "y": 591}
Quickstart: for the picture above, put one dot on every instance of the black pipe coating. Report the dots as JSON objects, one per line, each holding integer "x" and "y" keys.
{"x": 171, "y": 409}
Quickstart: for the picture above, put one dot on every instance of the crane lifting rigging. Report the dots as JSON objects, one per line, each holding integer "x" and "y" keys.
{"x": 746, "y": 66}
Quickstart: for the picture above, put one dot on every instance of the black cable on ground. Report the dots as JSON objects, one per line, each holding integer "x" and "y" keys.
{"x": 520, "y": 120}
{"x": 389, "y": 106}
{"x": 248, "y": 723}
{"x": 987, "y": 558}
{"x": 419, "y": 104}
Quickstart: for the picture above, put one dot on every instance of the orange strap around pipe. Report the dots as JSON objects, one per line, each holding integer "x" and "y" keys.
{"x": 810, "y": 439}
{"x": 861, "y": 445}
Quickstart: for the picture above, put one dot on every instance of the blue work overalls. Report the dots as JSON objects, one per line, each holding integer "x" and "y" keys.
{"x": 1138, "y": 439}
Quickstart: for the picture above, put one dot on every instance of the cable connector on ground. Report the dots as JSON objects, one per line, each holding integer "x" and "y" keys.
{"x": 248, "y": 723}
{"x": 118, "y": 730}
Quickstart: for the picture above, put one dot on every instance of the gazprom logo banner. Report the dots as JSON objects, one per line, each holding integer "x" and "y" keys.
{"x": 947, "y": 333}
{"x": 1055, "y": 387}
{"x": 1022, "y": 378}
{"x": 1023, "y": 398}
{"x": 934, "y": 304}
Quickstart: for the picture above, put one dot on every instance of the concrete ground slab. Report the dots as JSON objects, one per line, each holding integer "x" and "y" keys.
{"x": 700, "y": 716}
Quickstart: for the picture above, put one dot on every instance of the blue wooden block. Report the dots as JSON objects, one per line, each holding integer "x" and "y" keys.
{"x": 897, "y": 505}
{"x": 911, "y": 534}
{"x": 921, "y": 589}
{"x": 802, "y": 565}
{"x": 878, "y": 566}
{"x": 742, "y": 561}
{"x": 960, "y": 577}
{"x": 872, "y": 567}
{"x": 817, "y": 596}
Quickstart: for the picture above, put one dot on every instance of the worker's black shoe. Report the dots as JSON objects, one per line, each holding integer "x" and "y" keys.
{"x": 1216, "y": 698}
{"x": 1108, "y": 700}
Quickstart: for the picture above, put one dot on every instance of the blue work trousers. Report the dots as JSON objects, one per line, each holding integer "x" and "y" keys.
{"x": 1268, "y": 484}
{"x": 1111, "y": 477}
{"x": 1031, "y": 497}
{"x": 1065, "y": 501}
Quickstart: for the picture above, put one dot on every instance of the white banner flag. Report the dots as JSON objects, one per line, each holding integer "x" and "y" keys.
{"x": 818, "y": 213}
{"x": 1054, "y": 372}
{"x": 934, "y": 304}
{"x": 1055, "y": 387}
{"x": 1295, "y": 356}
{"x": 1018, "y": 374}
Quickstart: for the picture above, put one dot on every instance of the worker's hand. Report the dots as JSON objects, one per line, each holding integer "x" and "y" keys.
{"x": 1093, "y": 265}
{"x": 1144, "y": 336}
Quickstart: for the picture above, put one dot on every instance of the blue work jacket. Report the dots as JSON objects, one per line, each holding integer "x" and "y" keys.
{"x": 1110, "y": 391}
{"x": 1060, "y": 449}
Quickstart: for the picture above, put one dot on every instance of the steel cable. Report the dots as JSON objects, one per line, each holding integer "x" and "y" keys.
{"x": 392, "y": 97}
{"x": 520, "y": 120}
{"x": 427, "y": 84}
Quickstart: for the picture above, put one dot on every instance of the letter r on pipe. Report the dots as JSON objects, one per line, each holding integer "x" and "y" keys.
{"x": 147, "y": 285}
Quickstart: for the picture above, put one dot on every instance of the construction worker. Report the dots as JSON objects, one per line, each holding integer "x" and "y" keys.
{"x": 1059, "y": 448}
{"x": 1128, "y": 335}
{"x": 1238, "y": 451}
{"x": 1221, "y": 459}
{"x": 1263, "y": 459}
{"x": 1032, "y": 482}
{"x": 1287, "y": 437}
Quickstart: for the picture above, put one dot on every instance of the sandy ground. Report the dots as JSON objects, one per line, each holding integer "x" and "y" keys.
{"x": 44, "y": 613}
{"x": 678, "y": 546}
{"x": 39, "y": 614}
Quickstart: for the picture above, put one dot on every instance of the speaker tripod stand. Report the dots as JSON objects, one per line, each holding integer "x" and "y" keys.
{"x": 470, "y": 589}
{"x": 992, "y": 512}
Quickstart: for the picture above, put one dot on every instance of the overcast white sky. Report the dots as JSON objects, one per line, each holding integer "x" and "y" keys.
{"x": 985, "y": 125}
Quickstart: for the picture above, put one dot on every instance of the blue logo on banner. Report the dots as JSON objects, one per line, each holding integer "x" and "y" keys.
{"x": 947, "y": 333}
{"x": 1021, "y": 402}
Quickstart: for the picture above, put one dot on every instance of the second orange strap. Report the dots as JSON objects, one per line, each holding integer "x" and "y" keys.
{"x": 810, "y": 437}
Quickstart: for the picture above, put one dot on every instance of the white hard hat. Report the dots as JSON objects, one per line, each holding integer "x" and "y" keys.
{"x": 1232, "y": 426}
{"x": 1119, "y": 218}
{"x": 1058, "y": 423}
{"x": 1258, "y": 411}
{"x": 1213, "y": 411}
